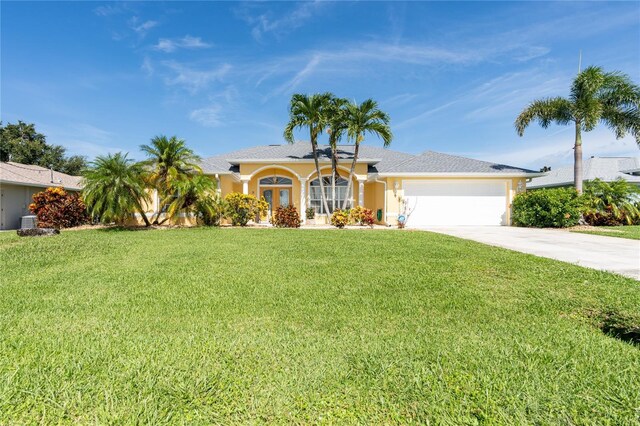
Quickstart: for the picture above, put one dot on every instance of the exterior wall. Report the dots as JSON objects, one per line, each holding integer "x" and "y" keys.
{"x": 300, "y": 174}
{"x": 395, "y": 193}
{"x": 14, "y": 203}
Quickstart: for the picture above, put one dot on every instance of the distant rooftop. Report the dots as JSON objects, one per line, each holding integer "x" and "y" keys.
{"x": 30, "y": 175}
{"x": 604, "y": 168}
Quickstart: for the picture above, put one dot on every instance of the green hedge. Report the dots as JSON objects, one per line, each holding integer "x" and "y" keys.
{"x": 547, "y": 208}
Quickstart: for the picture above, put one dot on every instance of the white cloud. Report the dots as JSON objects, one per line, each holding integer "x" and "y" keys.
{"x": 141, "y": 28}
{"x": 264, "y": 23}
{"x": 186, "y": 42}
{"x": 208, "y": 117}
{"x": 147, "y": 66}
{"x": 194, "y": 79}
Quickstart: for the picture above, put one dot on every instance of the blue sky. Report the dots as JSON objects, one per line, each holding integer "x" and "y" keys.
{"x": 102, "y": 77}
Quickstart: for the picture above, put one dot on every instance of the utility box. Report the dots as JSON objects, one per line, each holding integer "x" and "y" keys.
{"x": 29, "y": 222}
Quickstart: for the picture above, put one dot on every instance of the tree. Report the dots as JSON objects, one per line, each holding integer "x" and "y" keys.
{"x": 360, "y": 120}
{"x": 596, "y": 96}
{"x": 335, "y": 117}
{"x": 21, "y": 143}
{"x": 308, "y": 111}
{"x": 188, "y": 193}
{"x": 169, "y": 162}
{"x": 114, "y": 189}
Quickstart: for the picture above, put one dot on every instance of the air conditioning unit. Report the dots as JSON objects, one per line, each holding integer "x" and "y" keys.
{"x": 29, "y": 222}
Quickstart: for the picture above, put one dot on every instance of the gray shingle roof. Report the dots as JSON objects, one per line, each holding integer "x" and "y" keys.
{"x": 381, "y": 160}
{"x": 605, "y": 168}
{"x": 30, "y": 175}
{"x": 437, "y": 162}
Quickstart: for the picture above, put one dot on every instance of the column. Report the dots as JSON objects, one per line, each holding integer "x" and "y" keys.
{"x": 303, "y": 200}
{"x": 245, "y": 186}
{"x": 360, "y": 193}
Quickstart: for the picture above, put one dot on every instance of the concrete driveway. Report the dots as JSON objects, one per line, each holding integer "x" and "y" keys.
{"x": 618, "y": 255}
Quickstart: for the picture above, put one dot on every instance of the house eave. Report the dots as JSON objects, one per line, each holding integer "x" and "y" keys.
{"x": 40, "y": 185}
{"x": 462, "y": 175}
{"x": 298, "y": 161}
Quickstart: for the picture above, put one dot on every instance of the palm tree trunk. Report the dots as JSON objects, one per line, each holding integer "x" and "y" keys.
{"x": 334, "y": 169}
{"x": 353, "y": 168}
{"x": 143, "y": 214}
{"x": 577, "y": 160}
{"x": 314, "y": 148}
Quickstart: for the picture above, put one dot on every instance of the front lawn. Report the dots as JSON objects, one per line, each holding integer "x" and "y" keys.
{"x": 630, "y": 232}
{"x": 305, "y": 326}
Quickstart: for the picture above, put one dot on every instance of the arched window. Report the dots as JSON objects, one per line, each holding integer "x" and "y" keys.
{"x": 315, "y": 199}
{"x": 275, "y": 180}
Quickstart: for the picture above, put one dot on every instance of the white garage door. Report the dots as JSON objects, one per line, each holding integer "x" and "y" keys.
{"x": 456, "y": 202}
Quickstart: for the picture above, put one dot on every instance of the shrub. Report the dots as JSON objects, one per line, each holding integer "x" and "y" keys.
{"x": 339, "y": 218}
{"x": 55, "y": 208}
{"x": 310, "y": 213}
{"x": 547, "y": 208}
{"x": 286, "y": 217}
{"x": 241, "y": 208}
{"x": 611, "y": 203}
{"x": 210, "y": 209}
{"x": 361, "y": 216}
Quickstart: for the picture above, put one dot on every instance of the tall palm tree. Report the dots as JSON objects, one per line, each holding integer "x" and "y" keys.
{"x": 307, "y": 111}
{"x": 362, "y": 119}
{"x": 596, "y": 96}
{"x": 114, "y": 189}
{"x": 169, "y": 161}
{"x": 335, "y": 117}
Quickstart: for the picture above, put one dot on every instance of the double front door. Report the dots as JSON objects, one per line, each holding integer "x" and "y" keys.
{"x": 276, "y": 197}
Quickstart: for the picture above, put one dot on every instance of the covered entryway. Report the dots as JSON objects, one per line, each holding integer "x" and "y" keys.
{"x": 456, "y": 202}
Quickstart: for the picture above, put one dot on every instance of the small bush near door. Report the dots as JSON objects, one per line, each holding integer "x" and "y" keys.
{"x": 361, "y": 216}
{"x": 547, "y": 208}
{"x": 55, "y": 208}
{"x": 286, "y": 217}
{"x": 340, "y": 218}
{"x": 241, "y": 208}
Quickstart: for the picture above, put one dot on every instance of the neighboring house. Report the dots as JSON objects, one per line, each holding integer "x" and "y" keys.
{"x": 607, "y": 169}
{"x": 18, "y": 183}
{"x": 429, "y": 189}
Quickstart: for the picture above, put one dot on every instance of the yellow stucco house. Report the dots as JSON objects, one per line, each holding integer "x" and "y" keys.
{"x": 429, "y": 189}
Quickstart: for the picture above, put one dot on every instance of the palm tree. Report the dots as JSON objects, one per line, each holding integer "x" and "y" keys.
{"x": 170, "y": 161}
{"x": 189, "y": 192}
{"x": 307, "y": 111}
{"x": 596, "y": 96}
{"x": 114, "y": 189}
{"x": 335, "y": 117}
{"x": 362, "y": 119}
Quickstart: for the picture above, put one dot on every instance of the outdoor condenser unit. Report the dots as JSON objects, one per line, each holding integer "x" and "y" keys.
{"x": 29, "y": 222}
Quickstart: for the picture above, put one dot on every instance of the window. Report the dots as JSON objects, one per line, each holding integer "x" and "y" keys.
{"x": 315, "y": 200}
{"x": 275, "y": 180}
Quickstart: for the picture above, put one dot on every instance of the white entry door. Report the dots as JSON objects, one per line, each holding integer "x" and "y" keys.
{"x": 456, "y": 202}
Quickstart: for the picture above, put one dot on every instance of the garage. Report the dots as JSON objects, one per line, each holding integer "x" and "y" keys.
{"x": 442, "y": 202}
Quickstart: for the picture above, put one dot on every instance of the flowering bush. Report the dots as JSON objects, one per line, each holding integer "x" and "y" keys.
{"x": 286, "y": 217}
{"x": 361, "y": 216}
{"x": 339, "y": 218}
{"x": 55, "y": 208}
{"x": 241, "y": 208}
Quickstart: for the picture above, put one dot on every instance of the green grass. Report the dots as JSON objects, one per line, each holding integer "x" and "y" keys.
{"x": 305, "y": 326}
{"x": 630, "y": 232}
